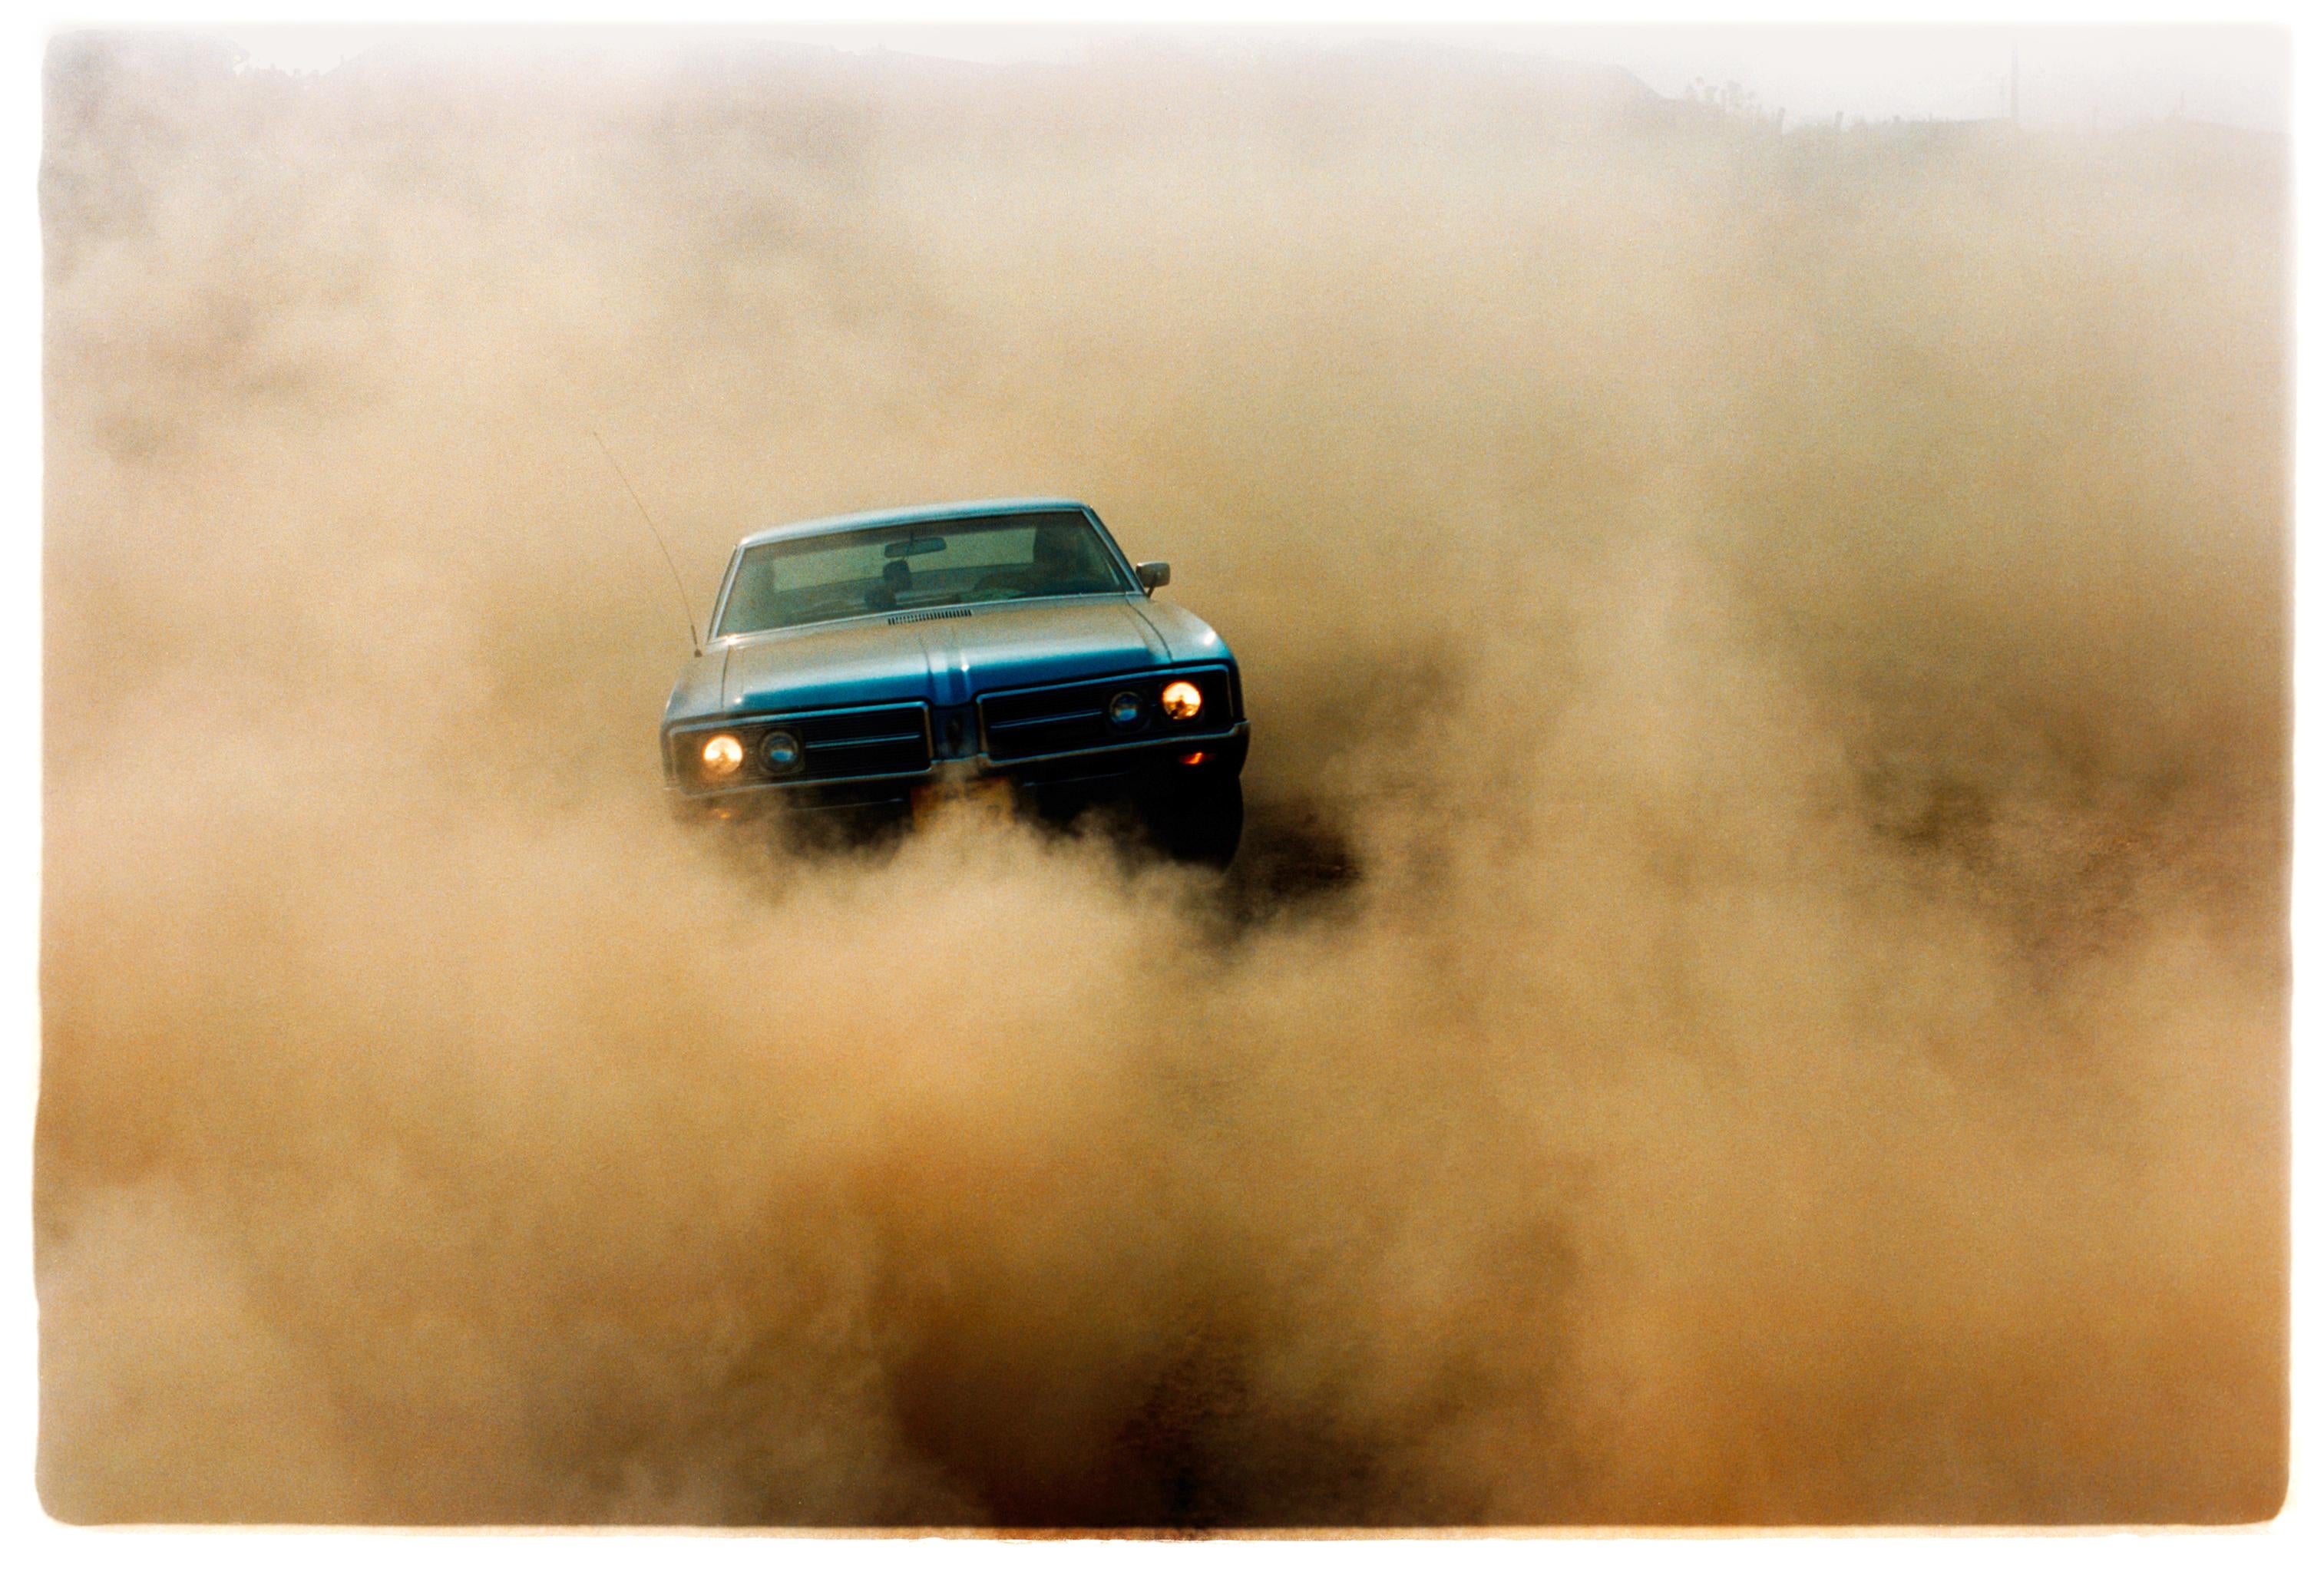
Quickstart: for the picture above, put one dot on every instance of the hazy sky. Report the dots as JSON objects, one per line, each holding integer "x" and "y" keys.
{"x": 2073, "y": 75}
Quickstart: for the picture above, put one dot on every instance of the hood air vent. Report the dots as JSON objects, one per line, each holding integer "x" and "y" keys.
{"x": 928, "y": 616}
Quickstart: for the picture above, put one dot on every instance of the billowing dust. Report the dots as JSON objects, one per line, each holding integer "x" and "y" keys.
{"x": 1755, "y": 988}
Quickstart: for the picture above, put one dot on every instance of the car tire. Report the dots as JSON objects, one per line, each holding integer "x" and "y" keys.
{"x": 1202, "y": 823}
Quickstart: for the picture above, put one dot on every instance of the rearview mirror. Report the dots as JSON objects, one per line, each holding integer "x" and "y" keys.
{"x": 1153, "y": 576}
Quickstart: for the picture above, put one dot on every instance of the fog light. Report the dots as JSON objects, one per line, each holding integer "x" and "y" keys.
{"x": 1194, "y": 758}
{"x": 1182, "y": 700}
{"x": 1125, "y": 709}
{"x": 782, "y": 752}
{"x": 722, "y": 756}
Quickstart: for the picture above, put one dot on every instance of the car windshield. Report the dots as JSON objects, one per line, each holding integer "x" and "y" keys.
{"x": 903, "y": 568}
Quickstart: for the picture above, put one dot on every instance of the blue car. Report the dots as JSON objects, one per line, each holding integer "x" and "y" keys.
{"x": 885, "y": 664}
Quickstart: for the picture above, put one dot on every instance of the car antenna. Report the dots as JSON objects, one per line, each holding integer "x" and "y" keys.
{"x": 674, "y": 578}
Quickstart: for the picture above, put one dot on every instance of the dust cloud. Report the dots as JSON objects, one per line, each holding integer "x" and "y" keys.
{"x": 1755, "y": 994}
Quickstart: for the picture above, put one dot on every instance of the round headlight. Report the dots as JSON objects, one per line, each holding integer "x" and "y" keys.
{"x": 1125, "y": 709}
{"x": 782, "y": 752}
{"x": 1182, "y": 700}
{"x": 722, "y": 756}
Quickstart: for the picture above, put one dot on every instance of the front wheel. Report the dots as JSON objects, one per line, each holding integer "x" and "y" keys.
{"x": 1199, "y": 823}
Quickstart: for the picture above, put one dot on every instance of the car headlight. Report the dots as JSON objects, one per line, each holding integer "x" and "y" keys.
{"x": 1125, "y": 709}
{"x": 722, "y": 756}
{"x": 782, "y": 752}
{"x": 1182, "y": 700}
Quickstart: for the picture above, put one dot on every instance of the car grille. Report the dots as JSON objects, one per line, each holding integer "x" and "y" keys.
{"x": 1073, "y": 717}
{"x": 893, "y": 741}
{"x": 837, "y": 745}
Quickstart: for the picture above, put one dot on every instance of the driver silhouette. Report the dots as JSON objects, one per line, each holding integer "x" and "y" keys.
{"x": 894, "y": 580}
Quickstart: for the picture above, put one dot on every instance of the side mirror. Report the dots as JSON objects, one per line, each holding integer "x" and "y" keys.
{"x": 1153, "y": 576}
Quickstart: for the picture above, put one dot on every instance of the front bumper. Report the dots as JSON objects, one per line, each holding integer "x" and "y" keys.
{"x": 1055, "y": 786}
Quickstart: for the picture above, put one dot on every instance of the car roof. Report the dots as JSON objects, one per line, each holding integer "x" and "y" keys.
{"x": 927, "y": 513}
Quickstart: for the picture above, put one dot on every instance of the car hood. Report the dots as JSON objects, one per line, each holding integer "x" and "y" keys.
{"x": 946, "y": 659}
